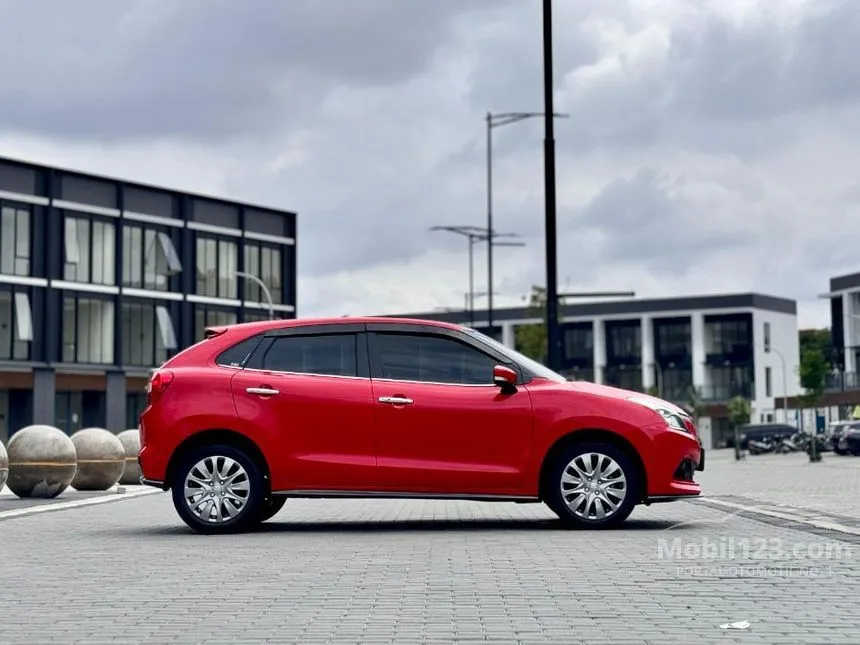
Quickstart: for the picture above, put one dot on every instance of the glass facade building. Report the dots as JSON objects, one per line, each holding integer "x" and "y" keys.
{"x": 102, "y": 280}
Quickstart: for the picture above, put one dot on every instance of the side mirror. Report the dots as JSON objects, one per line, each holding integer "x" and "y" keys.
{"x": 505, "y": 378}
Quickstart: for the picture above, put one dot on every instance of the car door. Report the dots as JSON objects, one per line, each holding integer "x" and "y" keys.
{"x": 441, "y": 424}
{"x": 310, "y": 389}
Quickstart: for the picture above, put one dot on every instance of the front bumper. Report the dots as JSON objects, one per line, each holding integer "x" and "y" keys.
{"x": 672, "y": 465}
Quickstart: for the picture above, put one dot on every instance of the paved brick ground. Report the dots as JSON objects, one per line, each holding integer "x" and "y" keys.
{"x": 436, "y": 572}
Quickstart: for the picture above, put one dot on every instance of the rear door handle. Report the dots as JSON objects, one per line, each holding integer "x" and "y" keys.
{"x": 395, "y": 400}
{"x": 265, "y": 391}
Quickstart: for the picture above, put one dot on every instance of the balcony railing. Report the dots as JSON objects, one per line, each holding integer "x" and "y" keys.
{"x": 842, "y": 381}
{"x": 724, "y": 393}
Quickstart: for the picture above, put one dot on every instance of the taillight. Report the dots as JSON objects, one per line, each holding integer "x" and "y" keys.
{"x": 156, "y": 386}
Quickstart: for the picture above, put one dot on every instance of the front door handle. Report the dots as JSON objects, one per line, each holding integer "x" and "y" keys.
{"x": 395, "y": 400}
{"x": 265, "y": 391}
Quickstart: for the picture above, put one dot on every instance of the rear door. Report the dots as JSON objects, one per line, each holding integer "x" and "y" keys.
{"x": 309, "y": 389}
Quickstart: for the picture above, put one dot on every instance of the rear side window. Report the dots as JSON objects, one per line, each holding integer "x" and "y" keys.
{"x": 328, "y": 355}
{"x": 238, "y": 354}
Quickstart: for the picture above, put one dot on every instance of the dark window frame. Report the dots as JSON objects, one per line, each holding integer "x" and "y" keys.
{"x": 14, "y": 343}
{"x": 72, "y": 270}
{"x": 252, "y": 291}
{"x": 232, "y": 290}
{"x": 147, "y": 314}
{"x": 77, "y": 297}
{"x": 18, "y": 209}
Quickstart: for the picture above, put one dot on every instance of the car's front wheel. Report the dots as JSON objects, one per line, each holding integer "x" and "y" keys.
{"x": 592, "y": 485}
{"x": 219, "y": 489}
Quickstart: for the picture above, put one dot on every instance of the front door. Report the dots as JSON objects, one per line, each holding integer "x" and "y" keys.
{"x": 441, "y": 424}
{"x": 311, "y": 397}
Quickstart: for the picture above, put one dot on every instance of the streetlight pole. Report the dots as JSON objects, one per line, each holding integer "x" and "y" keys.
{"x": 265, "y": 289}
{"x": 476, "y": 234}
{"x": 497, "y": 121}
{"x": 552, "y": 326}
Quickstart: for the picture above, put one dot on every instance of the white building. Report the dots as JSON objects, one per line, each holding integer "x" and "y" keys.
{"x": 844, "y": 299}
{"x": 723, "y": 346}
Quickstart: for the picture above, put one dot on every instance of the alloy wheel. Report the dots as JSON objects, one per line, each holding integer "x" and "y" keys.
{"x": 594, "y": 486}
{"x": 217, "y": 489}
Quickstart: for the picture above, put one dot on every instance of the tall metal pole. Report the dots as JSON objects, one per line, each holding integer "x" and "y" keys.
{"x": 471, "y": 305}
{"x": 489, "y": 221}
{"x": 552, "y": 328}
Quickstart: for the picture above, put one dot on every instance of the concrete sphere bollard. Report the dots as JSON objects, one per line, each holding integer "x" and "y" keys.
{"x": 4, "y": 466}
{"x": 42, "y": 462}
{"x": 101, "y": 459}
{"x": 131, "y": 443}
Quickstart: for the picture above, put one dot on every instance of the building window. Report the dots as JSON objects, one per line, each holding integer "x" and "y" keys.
{"x": 624, "y": 343}
{"x": 329, "y": 355}
{"x": 149, "y": 258}
{"x": 256, "y": 315}
{"x": 211, "y": 317}
{"x": 579, "y": 342}
{"x": 148, "y": 335}
{"x": 728, "y": 337}
{"x": 216, "y": 267}
{"x": 14, "y": 240}
{"x": 674, "y": 339}
{"x": 767, "y": 338}
{"x": 135, "y": 402}
{"x": 768, "y": 388}
{"x": 87, "y": 330}
{"x": 16, "y": 325}
{"x": 90, "y": 250}
{"x": 266, "y": 263}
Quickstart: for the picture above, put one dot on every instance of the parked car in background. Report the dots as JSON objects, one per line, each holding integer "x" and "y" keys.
{"x": 764, "y": 432}
{"x": 835, "y": 432}
{"x": 380, "y": 407}
{"x": 849, "y": 441}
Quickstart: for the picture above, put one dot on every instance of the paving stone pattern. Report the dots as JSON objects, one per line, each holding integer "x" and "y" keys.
{"x": 357, "y": 571}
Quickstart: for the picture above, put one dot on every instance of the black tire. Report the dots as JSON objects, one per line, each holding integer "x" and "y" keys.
{"x": 272, "y": 507}
{"x": 553, "y": 486}
{"x": 254, "y": 502}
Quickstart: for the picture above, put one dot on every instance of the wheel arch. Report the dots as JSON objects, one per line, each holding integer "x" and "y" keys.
{"x": 591, "y": 435}
{"x": 217, "y": 436}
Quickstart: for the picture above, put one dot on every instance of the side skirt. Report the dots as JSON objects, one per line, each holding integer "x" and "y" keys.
{"x": 339, "y": 494}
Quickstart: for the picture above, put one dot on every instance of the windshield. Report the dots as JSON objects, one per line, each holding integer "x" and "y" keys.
{"x": 541, "y": 371}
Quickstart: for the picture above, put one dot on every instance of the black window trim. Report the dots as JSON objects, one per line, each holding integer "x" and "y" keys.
{"x": 432, "y": 331}
{"x": 254, "y": 361}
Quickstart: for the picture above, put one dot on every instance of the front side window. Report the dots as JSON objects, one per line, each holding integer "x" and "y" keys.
{"x": 14, "y": 240}
{"x": 330, "y": 355}
{"x": 90, "y": 250}
{"x": 432, "y": 359}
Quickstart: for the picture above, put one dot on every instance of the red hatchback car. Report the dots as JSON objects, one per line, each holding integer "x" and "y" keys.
{"x": 399, "y": 408}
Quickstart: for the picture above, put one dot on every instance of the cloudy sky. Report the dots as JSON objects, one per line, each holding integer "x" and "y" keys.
{"x": 712, "y": 145}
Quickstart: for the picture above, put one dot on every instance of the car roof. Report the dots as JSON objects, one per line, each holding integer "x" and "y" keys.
{"x": 263, "y": 325}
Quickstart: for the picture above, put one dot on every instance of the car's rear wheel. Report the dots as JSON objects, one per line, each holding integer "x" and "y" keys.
{"x": 592, "y": 485}
{"x": 219, "y": 489}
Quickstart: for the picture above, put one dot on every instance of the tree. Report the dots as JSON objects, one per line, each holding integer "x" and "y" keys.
{"x": 739, "y": 410}
{"x": 813, "y": 373}
{"x": 531, "y": 339}
{"x": 818, "y": 339}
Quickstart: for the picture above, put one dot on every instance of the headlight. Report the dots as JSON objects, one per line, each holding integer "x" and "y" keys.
{"x": 672, "y": 418}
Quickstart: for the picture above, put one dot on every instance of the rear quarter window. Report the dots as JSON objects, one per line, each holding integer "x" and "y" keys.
{"x": 237, "y": 355}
